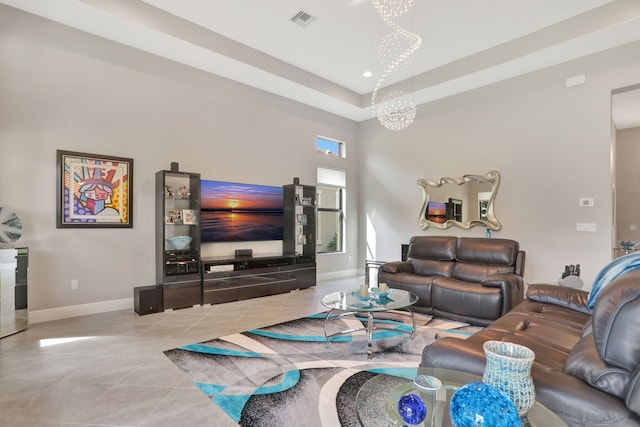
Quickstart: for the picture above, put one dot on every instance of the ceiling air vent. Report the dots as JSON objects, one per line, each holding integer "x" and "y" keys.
{"x": 302, "y": 18}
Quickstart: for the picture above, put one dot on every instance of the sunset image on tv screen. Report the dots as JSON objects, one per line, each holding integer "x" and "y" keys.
{"x": 437, "y": 212}
{"x": 235, "y": 212}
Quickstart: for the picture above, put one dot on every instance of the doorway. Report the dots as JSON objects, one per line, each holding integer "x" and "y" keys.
{"x": 625, "y": 118}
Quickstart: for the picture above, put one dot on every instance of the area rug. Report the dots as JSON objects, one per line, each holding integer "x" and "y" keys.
{"x": 287, "y": 374}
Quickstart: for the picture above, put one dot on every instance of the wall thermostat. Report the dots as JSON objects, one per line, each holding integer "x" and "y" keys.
{"x": 586, "y": 202}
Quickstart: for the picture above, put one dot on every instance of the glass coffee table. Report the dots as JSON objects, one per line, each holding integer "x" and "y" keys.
{"x": 377, "y": 401}
{"x": 350, "y": 302}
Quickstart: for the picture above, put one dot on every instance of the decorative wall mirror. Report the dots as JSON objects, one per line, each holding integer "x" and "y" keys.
{"x": 464, "y": 202}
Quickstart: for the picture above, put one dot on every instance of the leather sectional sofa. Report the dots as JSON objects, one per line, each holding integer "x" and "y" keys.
{"x": 587, "y": 362}
{"x": 474, "y": 280}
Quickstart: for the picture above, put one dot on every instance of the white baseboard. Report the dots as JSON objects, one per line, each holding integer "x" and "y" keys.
{"x": 46, "y": 315}
{"x": 337, "y": 275}
{"x": 49, "y": 314}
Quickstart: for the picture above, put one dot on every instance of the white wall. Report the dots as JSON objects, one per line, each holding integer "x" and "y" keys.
{"x": 551, "y": 146}
{"x": 63, "y": 89}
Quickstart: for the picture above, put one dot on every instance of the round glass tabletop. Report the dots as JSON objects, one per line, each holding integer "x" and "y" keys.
{"x": 350, "y": 300}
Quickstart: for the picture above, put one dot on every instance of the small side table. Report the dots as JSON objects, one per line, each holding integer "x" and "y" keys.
{"x": 371, "y": 264}
{"x": 618, "y": 252}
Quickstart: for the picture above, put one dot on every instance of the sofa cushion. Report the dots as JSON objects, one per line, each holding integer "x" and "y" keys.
{"x": 479, "y": 258}
{"x": 397, "y": 267}
{"x": 501, "y": 252}
{"x": 477, "y": 272}
{"x": 419, "y": 285}
{"x": 572, "y": 298}
{"x": 428, "y": 267}
{"x": 465, "y": 298}
{"x": 585, "y": 363}
{"x": 632, "y": 399}
{"x": 440, "y": 248}
{"x": 615, "y": 323}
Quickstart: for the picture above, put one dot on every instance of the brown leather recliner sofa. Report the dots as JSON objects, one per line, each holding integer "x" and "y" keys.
{"x": 474, "y": 280}
{"x": 587, "y": 362}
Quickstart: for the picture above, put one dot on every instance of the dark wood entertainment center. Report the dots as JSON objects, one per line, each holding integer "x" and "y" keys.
{"x": 227, "y": 279}
{"x": 185, "y": 279}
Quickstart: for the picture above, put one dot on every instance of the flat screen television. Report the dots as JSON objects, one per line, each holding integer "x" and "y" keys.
{"x": 235, "y": 212}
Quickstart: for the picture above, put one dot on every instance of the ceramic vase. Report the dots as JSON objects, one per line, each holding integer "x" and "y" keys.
{"x": 508, "y": 369}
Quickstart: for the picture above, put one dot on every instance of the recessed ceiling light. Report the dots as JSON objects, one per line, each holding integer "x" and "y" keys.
{"x": 367, "y": 74}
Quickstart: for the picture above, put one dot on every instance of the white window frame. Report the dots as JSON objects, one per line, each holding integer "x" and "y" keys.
{"x": 342, "y": 150}
{"x": 335, "y": 179}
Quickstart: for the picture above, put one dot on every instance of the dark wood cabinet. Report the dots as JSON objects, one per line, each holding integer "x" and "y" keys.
{"x": 187, "y": 280}
{"x": 178, "y": 238}
{"x": 227, "y": 279}
{"x": 300, "y": 213}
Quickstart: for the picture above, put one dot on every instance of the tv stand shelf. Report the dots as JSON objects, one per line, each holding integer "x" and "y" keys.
{"x": 227, "y": 279}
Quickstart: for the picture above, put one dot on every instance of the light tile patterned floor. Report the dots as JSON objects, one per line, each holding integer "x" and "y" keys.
{"x": 109, "y": 370}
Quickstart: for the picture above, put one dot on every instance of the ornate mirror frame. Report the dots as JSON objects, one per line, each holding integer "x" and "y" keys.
{"x": 490, "y": 222}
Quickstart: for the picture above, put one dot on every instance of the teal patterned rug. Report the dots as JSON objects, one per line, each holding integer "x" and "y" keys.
{"x": 287, "y": 374}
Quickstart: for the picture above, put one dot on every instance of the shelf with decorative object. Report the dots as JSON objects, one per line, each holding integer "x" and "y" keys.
{"x": 300, "y": 214}
{"x": 178, "y": 237}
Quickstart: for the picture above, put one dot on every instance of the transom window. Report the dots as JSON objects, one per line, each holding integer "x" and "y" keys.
{"x": 330, "y": 147}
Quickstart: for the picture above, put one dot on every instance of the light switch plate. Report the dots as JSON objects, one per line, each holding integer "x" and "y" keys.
{"x": 586, "y": 226}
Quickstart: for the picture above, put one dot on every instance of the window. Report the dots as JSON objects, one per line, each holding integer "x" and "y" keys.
{"x": 330, "y": 147}
{"x": 330, "y": 220}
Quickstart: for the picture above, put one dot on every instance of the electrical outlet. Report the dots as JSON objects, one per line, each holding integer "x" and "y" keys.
{"x": 74, "y": 284}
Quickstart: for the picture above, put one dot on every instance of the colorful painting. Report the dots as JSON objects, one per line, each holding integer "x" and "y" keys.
{"x": 94, "y": 190}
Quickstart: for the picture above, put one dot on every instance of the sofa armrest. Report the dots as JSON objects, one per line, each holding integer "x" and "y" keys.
{"x": 454, "y": 353}
{"x": 575, "y": 299}
{"x": 512, "y": 287}
{"x": 397, "y": 267}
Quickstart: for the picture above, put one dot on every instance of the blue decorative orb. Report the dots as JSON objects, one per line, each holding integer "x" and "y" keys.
{"x": 482, "y": 405}
{"x": 412, "y": 409}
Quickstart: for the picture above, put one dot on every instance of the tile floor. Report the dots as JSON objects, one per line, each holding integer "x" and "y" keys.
{"x": 109, "y": 370}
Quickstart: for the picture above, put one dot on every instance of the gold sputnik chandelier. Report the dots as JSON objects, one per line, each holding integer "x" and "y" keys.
{"x": 392, "y": 105}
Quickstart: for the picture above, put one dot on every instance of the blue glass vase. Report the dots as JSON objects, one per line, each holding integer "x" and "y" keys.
{"x": 479, "y": 404}
{"x": 412, "y": 409}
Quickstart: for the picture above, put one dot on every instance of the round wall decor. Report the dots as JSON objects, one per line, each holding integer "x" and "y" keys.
{"x": 10, "y": 226}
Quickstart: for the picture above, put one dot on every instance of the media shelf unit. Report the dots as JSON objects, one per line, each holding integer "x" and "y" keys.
{"x": 300, "y": 213}
{"x": 227, "y": 279}
{"x": 178, "y": 214}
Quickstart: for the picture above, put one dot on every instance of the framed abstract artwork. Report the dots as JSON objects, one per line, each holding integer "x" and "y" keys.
{"x": 94, "y": 191}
